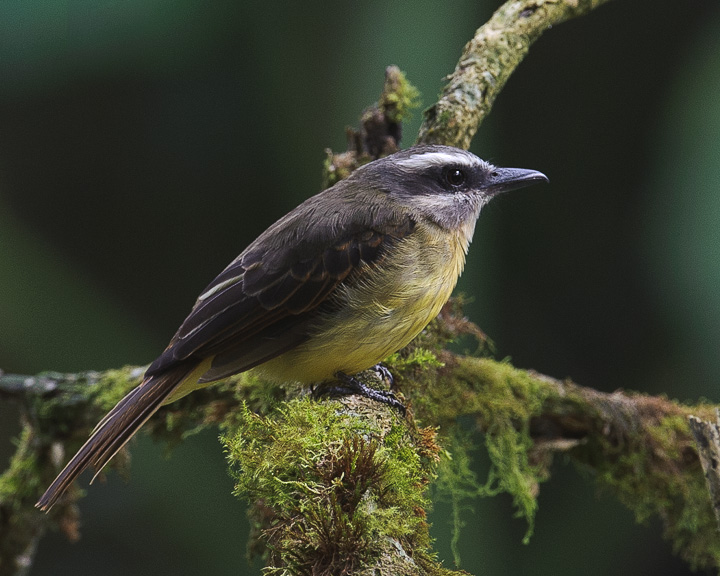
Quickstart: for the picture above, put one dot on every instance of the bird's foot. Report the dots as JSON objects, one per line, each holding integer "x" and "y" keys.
{"x": 348, "y": 385}
{"x": 384, "y": 374}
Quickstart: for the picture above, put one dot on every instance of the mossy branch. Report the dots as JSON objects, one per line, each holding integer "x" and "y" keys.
{"x": 326, "y": 475}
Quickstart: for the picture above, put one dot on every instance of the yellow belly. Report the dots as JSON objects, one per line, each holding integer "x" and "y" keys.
{"x": 380, "y": 315}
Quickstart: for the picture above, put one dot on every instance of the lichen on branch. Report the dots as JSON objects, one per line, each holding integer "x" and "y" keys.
{"x": 487, "y": 61}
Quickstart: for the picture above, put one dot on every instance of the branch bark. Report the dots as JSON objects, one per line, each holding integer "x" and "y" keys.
{"x": 707, "y": 439}
{"x": 487, "y": 61}
{"x": 639, "y": 447}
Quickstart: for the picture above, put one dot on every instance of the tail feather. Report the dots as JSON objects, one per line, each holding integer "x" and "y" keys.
{"x": 115, "y": 429}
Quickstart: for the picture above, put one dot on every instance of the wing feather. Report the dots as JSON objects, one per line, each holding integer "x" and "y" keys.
{"x": 262, "y": 304}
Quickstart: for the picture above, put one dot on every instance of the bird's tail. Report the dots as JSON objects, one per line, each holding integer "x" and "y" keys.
{"x": 117, "y": 427}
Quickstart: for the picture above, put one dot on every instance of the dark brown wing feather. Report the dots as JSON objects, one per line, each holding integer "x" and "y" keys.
{"x": 260, "y": 307}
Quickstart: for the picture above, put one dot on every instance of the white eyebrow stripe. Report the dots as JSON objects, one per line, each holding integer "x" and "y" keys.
{"x": 433, "y": 159}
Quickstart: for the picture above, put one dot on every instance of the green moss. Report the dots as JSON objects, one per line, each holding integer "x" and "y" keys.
{"x": 641, "y": 448}
{"x": 21, "y": 481}
{"x": 333, "y": 489}
{"x": 415, "y": 358}
{"x": 503, "y": 400}
{"x": 260, "y": 395}
{"x": 656, "y": 473}
{"x": 80, "y": 398}
{"x": 399, "y": 97}
{"x": 456, "y": 482}
{"x": 114, "y": 385}
{"x": 21, "y": 524}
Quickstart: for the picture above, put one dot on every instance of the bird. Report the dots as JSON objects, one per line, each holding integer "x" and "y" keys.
{"x": 342, "y": 281}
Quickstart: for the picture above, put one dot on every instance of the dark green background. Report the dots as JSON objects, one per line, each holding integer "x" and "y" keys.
{"x": 144, "y": 143}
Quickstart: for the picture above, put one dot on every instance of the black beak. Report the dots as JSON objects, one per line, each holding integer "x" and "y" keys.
{"x": 506, "y": 179}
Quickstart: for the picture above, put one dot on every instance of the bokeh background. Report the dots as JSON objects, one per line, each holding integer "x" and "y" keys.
{"x": 144, "y": 143}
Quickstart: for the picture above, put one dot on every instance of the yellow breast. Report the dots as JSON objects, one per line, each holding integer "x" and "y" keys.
{"x": 382, "y": 313}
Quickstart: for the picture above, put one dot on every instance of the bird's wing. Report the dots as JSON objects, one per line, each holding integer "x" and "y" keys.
{"x": 261, "y": 305}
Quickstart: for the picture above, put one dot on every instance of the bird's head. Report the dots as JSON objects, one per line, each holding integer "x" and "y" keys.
{"x": 441, "y": 184}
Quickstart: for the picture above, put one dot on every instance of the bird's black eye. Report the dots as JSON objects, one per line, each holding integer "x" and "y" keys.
{"x": 455, "y": 177}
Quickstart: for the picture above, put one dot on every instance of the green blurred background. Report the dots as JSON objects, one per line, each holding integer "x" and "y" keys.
{"x": 144, "y": 143}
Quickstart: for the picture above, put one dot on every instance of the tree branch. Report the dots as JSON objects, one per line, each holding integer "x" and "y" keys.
{"x": 639, "y": 447}
{"x": 487, "y": 62}
{"x": 707, "y": 438}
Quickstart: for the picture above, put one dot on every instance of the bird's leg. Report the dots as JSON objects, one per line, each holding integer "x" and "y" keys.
{"x": 348, "y": 385}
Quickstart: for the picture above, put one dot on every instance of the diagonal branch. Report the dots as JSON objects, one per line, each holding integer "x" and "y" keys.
{"x": 487, "y": 62}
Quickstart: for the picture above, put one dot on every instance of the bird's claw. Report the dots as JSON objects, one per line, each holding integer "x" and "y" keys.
{"x": 349, "y": 385}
